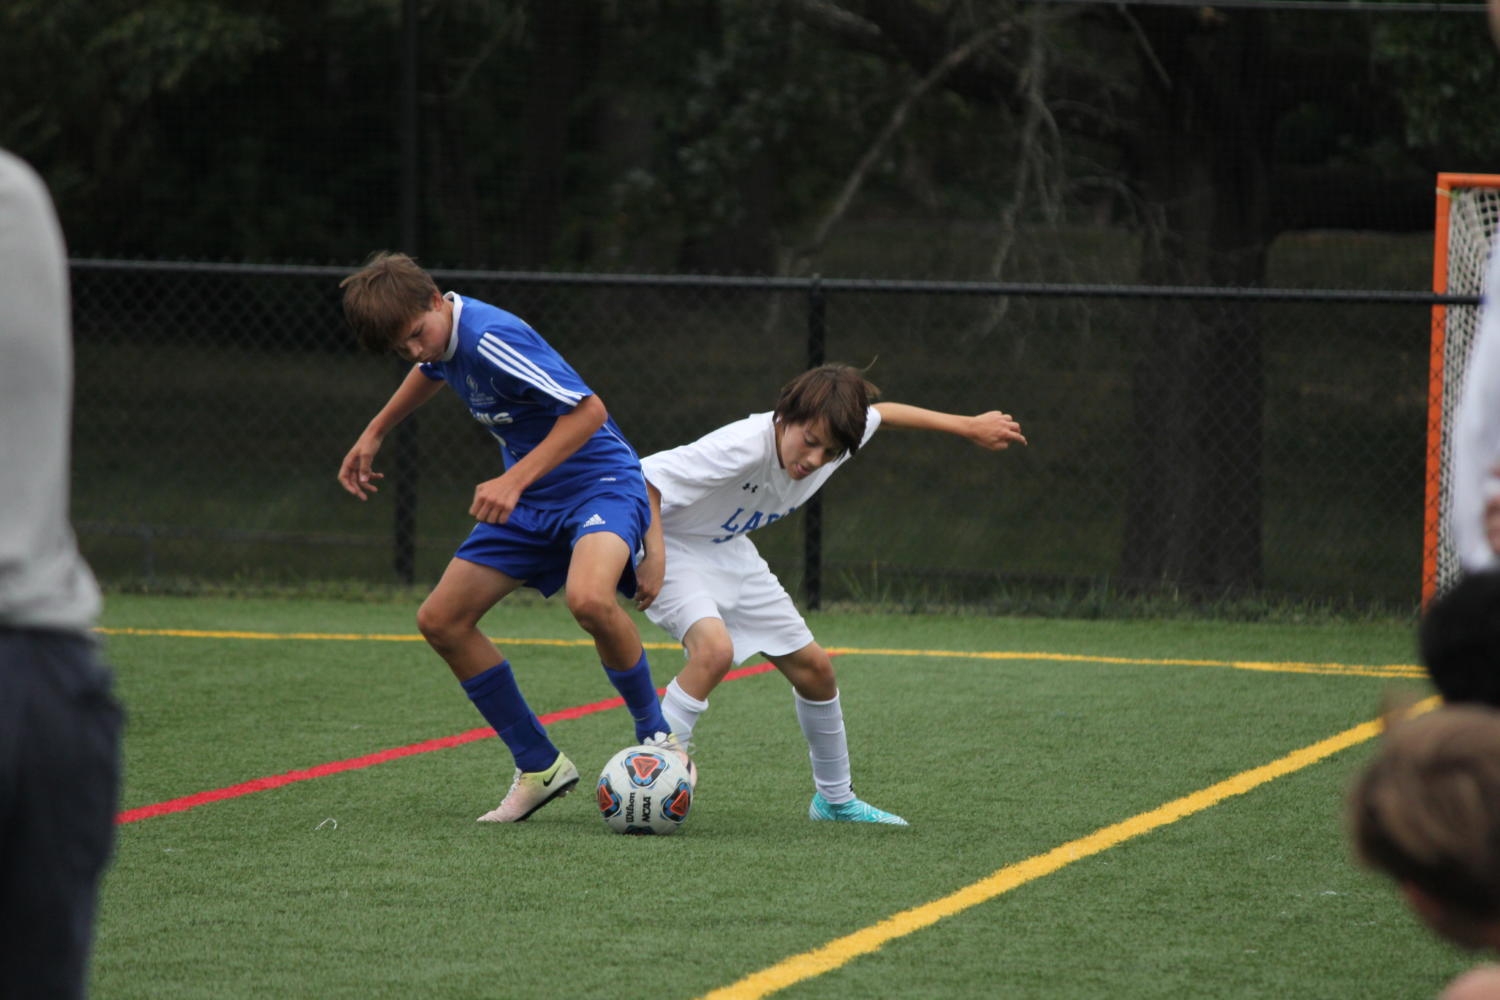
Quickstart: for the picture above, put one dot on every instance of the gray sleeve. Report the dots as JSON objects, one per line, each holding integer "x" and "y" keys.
{"x": 44, "y": 582}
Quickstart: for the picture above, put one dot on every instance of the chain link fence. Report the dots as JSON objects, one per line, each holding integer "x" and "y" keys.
{"x": 1191, "y": 444}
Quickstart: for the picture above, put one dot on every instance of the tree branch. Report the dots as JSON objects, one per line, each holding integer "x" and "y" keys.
{"x": 837, "y": 22}
{"x": 893, "y": 125}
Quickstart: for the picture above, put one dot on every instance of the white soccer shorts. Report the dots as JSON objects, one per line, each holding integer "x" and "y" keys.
{"x": 733, "y": 583}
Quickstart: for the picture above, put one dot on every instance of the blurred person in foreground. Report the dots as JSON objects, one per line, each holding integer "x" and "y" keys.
{"x": 1459, "y": 640}
{"x": 59, "y": 723}
{"x": 1426, "y": 812}
{"x": 1475, "y": 508}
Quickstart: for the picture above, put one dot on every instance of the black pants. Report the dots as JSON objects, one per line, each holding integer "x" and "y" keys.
{"x": 59, "y": 787}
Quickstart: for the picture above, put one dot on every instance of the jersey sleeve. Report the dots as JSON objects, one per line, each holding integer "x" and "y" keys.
{"x": 872, "y": 424}
{"x": 531, "y": 367}
{"x": 687, "y": 474}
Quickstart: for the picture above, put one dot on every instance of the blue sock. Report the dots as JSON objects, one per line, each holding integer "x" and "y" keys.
{"x": 639, "y": 693}
{"x": 499, "y": 700}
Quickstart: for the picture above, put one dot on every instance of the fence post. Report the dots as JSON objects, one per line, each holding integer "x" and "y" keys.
{"x": 404, "y": 443}
{"x": 812, "y": 512}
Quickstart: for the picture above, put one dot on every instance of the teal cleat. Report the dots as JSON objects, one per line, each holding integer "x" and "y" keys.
{"x": 854, "y": 811}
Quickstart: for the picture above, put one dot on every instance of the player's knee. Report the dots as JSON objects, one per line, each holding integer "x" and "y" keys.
{"x": 438, "y": 625}
{"x": 715, "y": 658}
{"x": 816, "y": 680}
{"x": 822, "y": 671}
{"x": 592, "y": 612}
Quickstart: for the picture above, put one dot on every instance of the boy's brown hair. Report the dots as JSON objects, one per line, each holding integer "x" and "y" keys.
{"x": 839, "y": 394}
{"x": 384, "y": 296}
{"x": 1426, "y": 810}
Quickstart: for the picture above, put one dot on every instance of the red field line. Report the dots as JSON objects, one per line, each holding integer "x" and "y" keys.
{"x": 187, "y": 802}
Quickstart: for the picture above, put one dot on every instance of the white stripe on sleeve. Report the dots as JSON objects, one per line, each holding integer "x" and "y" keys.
{"x": 512, "y": 361}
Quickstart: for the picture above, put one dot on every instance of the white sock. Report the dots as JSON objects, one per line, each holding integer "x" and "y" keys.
{"x": 682, "y": 710}
{"x": 827, "y": 747}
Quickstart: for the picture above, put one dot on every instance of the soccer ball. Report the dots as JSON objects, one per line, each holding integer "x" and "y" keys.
{"x": 644, "y": 789}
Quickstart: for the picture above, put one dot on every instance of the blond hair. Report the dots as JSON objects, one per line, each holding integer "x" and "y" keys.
{"x": 1426, "y": 810}
{"x": 384, "y": 296}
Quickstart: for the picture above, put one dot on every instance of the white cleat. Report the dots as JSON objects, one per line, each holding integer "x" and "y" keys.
{"x": 680, "y": 747}
{"x": 530, "y": 790}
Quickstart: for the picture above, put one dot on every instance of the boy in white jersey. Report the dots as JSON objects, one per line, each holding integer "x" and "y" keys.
{"x": 569, "y": 508}
{"x": 718, "y": 596}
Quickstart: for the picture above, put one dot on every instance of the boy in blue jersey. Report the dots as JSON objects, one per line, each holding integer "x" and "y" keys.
{"x": 569, "y": 510}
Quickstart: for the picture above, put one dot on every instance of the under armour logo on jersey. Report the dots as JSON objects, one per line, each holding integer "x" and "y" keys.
{"x": 594, "y": 521}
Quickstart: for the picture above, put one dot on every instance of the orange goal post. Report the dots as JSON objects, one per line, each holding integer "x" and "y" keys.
{"x": 1468, "y": 217}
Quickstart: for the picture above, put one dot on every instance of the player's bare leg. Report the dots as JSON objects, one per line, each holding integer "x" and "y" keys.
{"x": 810, "y": 671}
{"x": 449, "y": 620}
{"x": 815, "y": 690}
{"x": 710, "y": 654}
{"x": 598, "y": 560}
{"x": 593, "y": 573}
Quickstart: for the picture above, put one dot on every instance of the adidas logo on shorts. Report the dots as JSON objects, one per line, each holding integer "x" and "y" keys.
{"x": 593, "y": 521}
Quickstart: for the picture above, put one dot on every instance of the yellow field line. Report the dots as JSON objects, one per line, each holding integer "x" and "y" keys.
{"x": 1349, "y": 669}
{"x": 843, "y": 950}
{"x": 1292, "y": 667}
{"x": 193, "y": 633}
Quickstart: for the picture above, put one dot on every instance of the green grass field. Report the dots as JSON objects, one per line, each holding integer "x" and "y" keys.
{"x": 1006, "y": 742}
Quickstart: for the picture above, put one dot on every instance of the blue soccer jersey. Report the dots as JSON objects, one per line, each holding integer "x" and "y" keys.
{"x": 516, "y": 385}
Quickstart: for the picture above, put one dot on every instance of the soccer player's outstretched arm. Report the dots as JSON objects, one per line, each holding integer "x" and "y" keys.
{"x": 494, "y": 499}
{"x": 355, "y": 474}
{"x": 993, "y": 430}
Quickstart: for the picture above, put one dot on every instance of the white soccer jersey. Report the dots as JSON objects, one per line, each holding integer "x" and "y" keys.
{"x": 730, "y": 481}
{"x": 714, "y": 492}
{"x": 1476, "y": 432}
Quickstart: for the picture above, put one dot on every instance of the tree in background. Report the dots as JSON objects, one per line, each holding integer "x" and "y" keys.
{"x": 745, "y": 136}
{"x": 86, "y": 92}
{"x": 1196, "y": 112}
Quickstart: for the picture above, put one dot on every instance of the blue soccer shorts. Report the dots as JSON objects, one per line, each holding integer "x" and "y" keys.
{"x": 535, "y": 544}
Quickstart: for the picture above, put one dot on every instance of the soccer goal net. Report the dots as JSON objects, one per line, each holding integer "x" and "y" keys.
{"x": 1468, "y": 216}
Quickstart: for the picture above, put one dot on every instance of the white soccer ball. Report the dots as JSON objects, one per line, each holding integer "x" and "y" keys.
{"x": 645, "y": 789}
